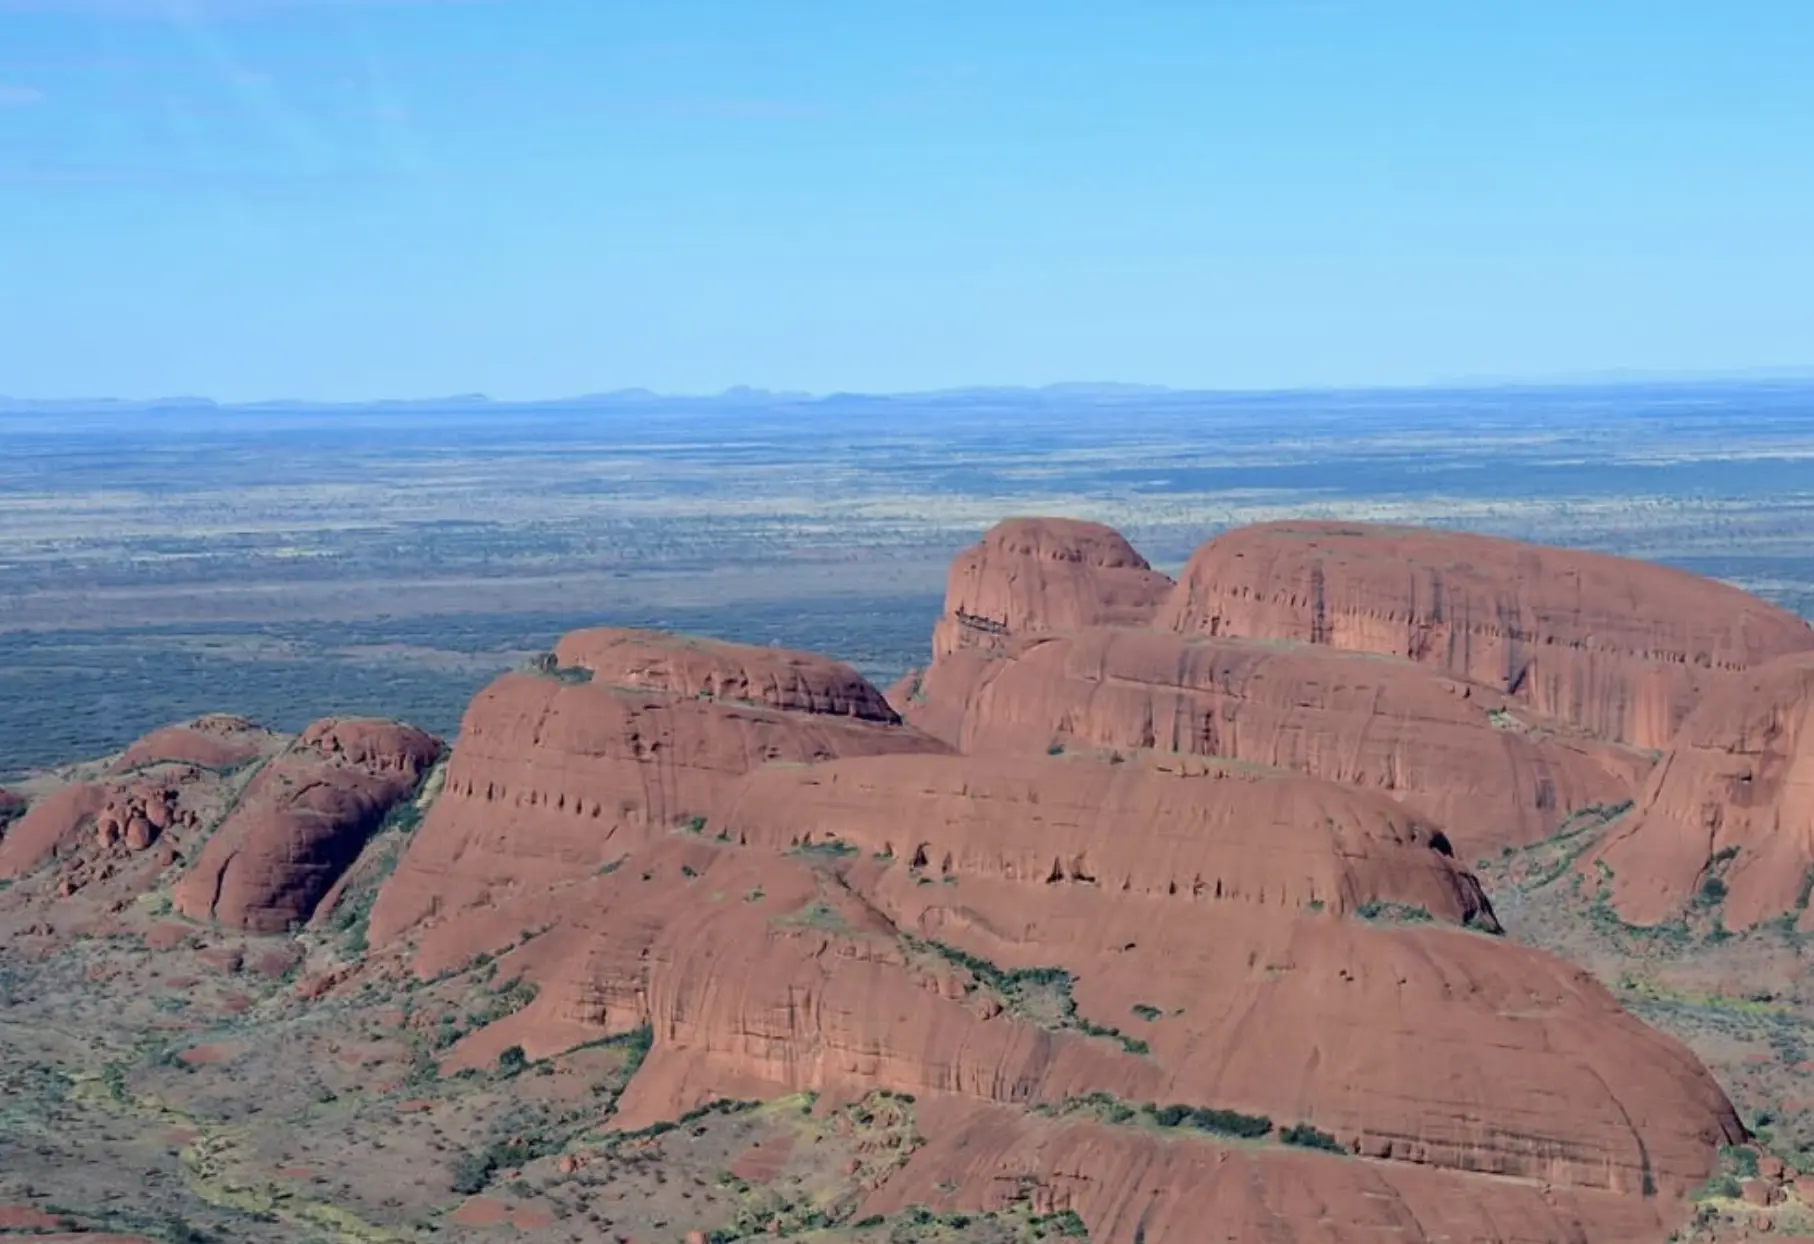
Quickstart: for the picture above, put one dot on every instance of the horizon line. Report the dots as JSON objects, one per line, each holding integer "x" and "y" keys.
{"x": 1105, "y": 388}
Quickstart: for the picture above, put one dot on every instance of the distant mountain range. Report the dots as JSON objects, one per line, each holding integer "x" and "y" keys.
{"x": 744, "y": 395}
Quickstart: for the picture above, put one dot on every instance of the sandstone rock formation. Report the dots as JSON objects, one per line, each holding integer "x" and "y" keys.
{"x": 1620, "y": 648}
{"x": 168, "y": 779}
{"x": 1465, "y": 756}
{"x": 1727, "y": 819}
{"x": 1172, "y": 828}
{"x": 1030, "y": 576}
{"x": 555, "y": 776}
{"x": 301, "y": 821}
{"x": 741, "y": 851}
{"x": 763, "y": 974}
{"x": 217, "y": 741}
{"x": 51, "y": 826}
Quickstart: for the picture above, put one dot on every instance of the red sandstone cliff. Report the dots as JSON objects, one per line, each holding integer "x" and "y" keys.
{"x": 1618, "y": 647}
{"x": 1728, "y": 817}
{"x": 555, "y": 777}
{"x": 1030, "y": 576}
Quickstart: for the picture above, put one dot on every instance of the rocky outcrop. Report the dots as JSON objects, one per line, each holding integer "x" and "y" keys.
{"x": 12, "y": 807}
{"x": 54, "y": 825}
{"x": 1623, "y": 649}
{"x": 1132, "y": 1185}
{"x": 1466, "y": 757}
{"x": 1030, "y": 576}
{"x": 556, "y": 776}
{"x": 1727, "y": 820}
{"x": 707, "y": 669}
{"x": 301, "y": 821}
{"x": 762, "y": 974}
{"x": 1157, "y": 828}
{"x": 217, "y": 741}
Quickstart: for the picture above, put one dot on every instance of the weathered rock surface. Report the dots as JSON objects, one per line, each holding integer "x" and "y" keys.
{"x": 12, "y": 806}
{"x": 1621, "y": 648}
{"x": 1159, "y": 828}
{"x": 1029, "y": 576}
{"x": 51, "y": 826}
{"x": 553, "y": 778}
{"x": 301, "y": 821}
{"x": 1728, "y": 816}
{"x": 762, "y": 974}
{"x": 1470, "y": 758}
{"x": 217, "y": 741}
{"x": 706, "y": 669}
{"x": 1131, "y": 1186}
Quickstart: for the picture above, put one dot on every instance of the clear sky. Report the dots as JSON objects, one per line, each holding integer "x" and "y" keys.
{"x": 356, "y": 198}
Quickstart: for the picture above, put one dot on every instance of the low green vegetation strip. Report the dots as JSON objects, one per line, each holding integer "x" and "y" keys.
{"x": 1040, "y": 994}
{"x": 1208, "y": 1120}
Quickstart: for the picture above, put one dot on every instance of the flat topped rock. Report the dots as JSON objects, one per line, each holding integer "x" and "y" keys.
{"x": 678, "y": 665}
{"x": 1037, "y": 575}
{"x": 1621, "y": 647}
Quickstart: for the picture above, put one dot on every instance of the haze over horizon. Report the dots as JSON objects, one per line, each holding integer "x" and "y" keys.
{"x": 352, "y": 200}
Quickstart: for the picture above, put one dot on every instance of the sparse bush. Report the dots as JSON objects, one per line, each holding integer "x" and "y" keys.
{"x": 512, "y": 1061}
{"x": 1147, "y": 1012}
{"x": 472, "y": 1171}
{"x": 1305, "y": 1136}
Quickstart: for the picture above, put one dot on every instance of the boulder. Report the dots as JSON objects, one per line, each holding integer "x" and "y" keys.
{"x": 1621, "y": 648}
{"x": 301, "y": 822}
{"x": 1030, "y": 576}
{"x": 1727, "y": 819}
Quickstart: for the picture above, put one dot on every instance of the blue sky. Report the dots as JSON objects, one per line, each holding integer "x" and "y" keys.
{"x": 343, "y": 199}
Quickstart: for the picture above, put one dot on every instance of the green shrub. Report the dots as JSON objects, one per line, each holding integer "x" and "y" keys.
{"x": 1305, "y": 1136}
{"x": 1147, "y": 1011}
{"x": 472, "y": 1171}
{"x": 513, "y": 1060}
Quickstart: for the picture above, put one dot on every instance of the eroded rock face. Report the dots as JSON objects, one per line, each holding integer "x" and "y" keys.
{"x": 1158, "y": 828}
{"x": 12, "y": 807}
{"x": 553, "y": 778}
{"x": 1030, "y": 576}
{"x": 764, "y": 974}
{"x": 1621, "y": 648}
{"x": 301, "y": 821}
{"x": 709, "y": 669}
{"x": 1728, "y": 815}
{"x": 53, "y": 825}
{"x": 218, "y": 741}
{"x": 1132, "y": 1186}
{"x": 1469, "y": 758}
